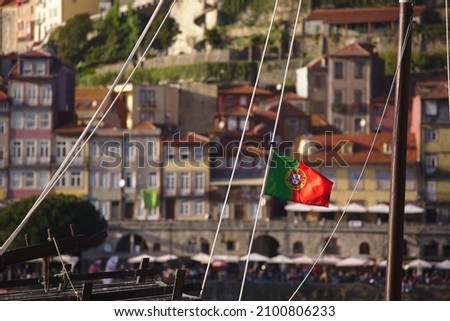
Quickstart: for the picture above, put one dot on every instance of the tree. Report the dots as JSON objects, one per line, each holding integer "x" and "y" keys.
{"x": 56, "y": 212}
{"x": 166, "y": 36}
{"x": 70, "y": 40}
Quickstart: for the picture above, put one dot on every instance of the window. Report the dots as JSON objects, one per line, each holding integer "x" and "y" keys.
{"x": 232, "y": 123}
{"x": 27, "y": 68}
{"x": 147, "y": 98}
{"x": 184, "y": 207}
{"x": 40, "y": 68}
{"x": 61, "y": 149}
{"x": 242, "y": 124}
{"x": 431, "y": 108}
{"x": 357, "y": 96}
{"x": 298, "y": 248}
{"x": 431, "y": 164}
{"x": 410, "y": 183}
{"x": 43, "y": 178}
{"x": 226, "y": 211}
{"x": 17, "y": 93}
{"x": 170, "y": 152}
{"x": 31, "y": 94}
{"x": 231, "y": 245}
{"x": 383, "y": 180}
{"x": 76, "y": 179}
{"x": 338, "y": 123}
{"x": 170, "y": 184}
{"x": 16, "y": 152}
{"x": 30, "y": 120}
{"x": 130, "y": 181}
{"x": 359, "y": 124}
{"x": 46, "y": 95}
{"x": 387, "y": 148}
{"x": 338, "y": 97}
{"x": 243, "y": 100}
{"x": 430, "y": 134}
{"x": 254, "y": 211}
{"x": 153, "y": 179}
{"x": 2, "y": 156}
{"x": 364, "y": 248}
{"x": 16, "y": 180}
{"x": 30, "y": 150}
{"x": 184, "y": 153}
{"x": 184, "y": 183}
{"x": 94, "y": 149}
{"x": 2, "y": 127}
{"x": 354, "y": 176}
{"x": 93, "y": 180}
{"x": 29, "y": 180}
{"x": 44, "y": 120}
{"x": 199, "y": 207}
{"x": 104, "y": 179}
{"x": 199, "y": 183}
{"x": 338, "y": 70}
{"x": 2, "y": 180}
{"x": 44, "y": 147}
{"x": 359, "y": 68}
{"x": 431, "y": 190}
{"x": 16, "y": 120}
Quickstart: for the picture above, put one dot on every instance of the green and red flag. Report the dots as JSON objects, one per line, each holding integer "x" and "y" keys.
{"x": 292, "y": 180}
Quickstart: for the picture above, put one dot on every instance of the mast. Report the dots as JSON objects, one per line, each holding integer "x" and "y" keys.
{"x": 394, "y": 272}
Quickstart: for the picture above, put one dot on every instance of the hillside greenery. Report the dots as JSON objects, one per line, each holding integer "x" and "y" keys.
{"x": 87, "y": 44}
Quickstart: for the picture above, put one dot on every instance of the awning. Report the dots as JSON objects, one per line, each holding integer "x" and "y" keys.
{"x": 355, "y": 208}
{"x": 298, "y": 207}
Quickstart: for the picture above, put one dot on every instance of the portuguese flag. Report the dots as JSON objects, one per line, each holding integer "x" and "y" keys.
{"x": 292, "y": 180}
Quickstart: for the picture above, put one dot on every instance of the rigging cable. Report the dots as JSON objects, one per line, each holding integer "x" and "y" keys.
{"x": 75, "y": 148}
{"x": 271, "y": 146}
{"x": 408, "y": 33}
{"x": 225, "y": 202}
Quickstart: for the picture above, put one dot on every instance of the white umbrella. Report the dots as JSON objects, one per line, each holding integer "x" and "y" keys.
{"x": 202, "y": 258}
{"x": 383, "y": 263}
{"x": 255, "y": 257}
{"x": 354, "y": 261}
{"x": 418, "y": 264}
{"x": 281, "y": 259}
{"x": 226, "y": 258}
{"x": 304, "y": 259}
{"x": 444, "y": 265}
{"x": 413, "y": 209}
{"x": 356, "y": 208}
{"x": 139, "y": 258}
{"x": 381, "y": 208}
{"x": 166, "y": 257}
{"x": 297, "y": 207}
{"x": 329, "y": 260}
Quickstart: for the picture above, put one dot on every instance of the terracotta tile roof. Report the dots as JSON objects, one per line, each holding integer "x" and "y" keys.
{"x": 236, "y": 111}
{"x": 355, "y": 49}
{"x": 243, "y": 90}
{"x": 432, "y": 89}
{"x": 3, "y": 95}
{"x": 36, "y": 53}
{"x": 145, "y": 125}
{"x": 319, "y": 62}
{"x": 329, "y": 149}
{"x": 359, "y": 15}
{"x": 70, "y": 128}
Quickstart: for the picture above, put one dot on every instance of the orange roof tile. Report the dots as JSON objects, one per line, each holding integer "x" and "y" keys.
{"x": 355, "y": 49}
{"x": 3, "y": 95}
{"x": 329, "y": 148}
{"x": 432, "y": 89}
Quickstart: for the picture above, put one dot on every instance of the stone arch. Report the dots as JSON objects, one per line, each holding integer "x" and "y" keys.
{"x": 297, "y": 248}
{"x": 364, "y": 248}
{"x": 204, "y": 246}
{"x": 266, "y": 245}
{"x": 430, "y": 249}
{"x": 131, "y": 243}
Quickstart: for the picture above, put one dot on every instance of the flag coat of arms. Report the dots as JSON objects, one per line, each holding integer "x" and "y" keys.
{"x": 292, "y": 180}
